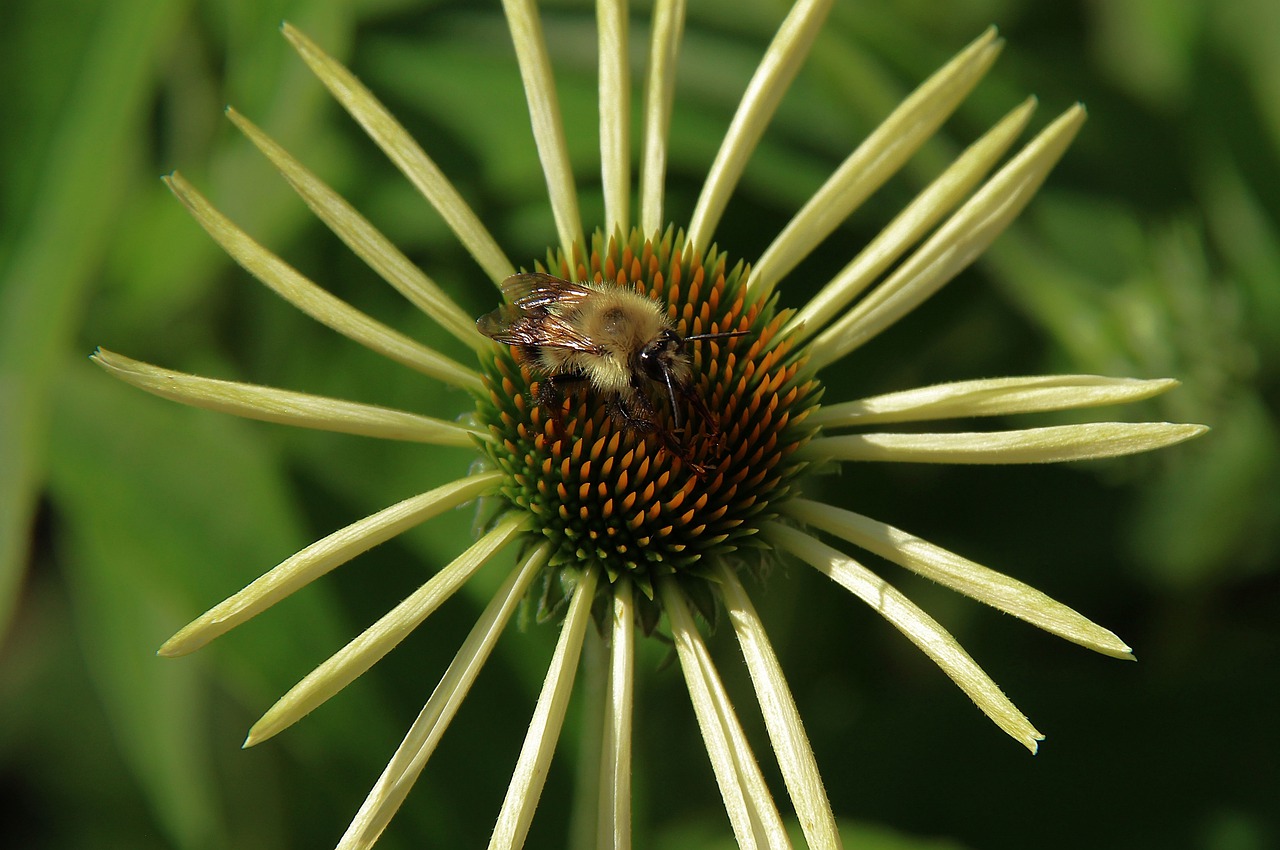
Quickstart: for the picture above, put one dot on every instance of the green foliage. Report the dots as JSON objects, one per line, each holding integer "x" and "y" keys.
{"x": 1153, "y": 251}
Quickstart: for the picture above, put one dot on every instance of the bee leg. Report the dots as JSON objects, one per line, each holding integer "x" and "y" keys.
{"x": 635, "y": 414}
{"x": 639, "y": 415}
{"x": 551, "y": 399}
{"x": 677, "y": 447}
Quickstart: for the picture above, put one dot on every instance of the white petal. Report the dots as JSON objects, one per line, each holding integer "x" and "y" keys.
{"x": 955, "y": 245}
{"x": 876, "y": 160}
{"x": 919, "y": 627}
{"x": 544, "y": 729}
{"x": 960, "y": 574}
{"x": 777, "y": 69}
{"x": 348, "y": 663}
{"x": 615, "y": 113}
{"x": 747, "y": 800}
{"x": 909, "y": 226}
{"x": 285, "y": 407}
{"x": 324, "y": 555}
{"x": 419, "y": 743}
{"x": 401, "y": 149}
{"x": 615, "y": 763}
{"x": 782, "y": 719}
{"x": 989, "y": 397}
{"x": 544, "y": 113}
{"x": 1053, "y": 444}
{"x": 664, "y": 47}
{"x": 320, "y": 305}
{"x": 365, "y": 240}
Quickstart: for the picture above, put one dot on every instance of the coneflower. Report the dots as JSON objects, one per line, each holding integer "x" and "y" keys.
{"x": 643, "y": 530}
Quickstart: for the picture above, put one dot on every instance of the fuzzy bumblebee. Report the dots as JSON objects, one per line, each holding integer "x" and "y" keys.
{"x": 609, "y": 337}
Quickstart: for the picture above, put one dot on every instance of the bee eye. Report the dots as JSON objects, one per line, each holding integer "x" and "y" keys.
{"x": 650, "y": 359}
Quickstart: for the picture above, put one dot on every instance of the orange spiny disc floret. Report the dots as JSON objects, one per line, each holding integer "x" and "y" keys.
{"x": 649, "y": 498}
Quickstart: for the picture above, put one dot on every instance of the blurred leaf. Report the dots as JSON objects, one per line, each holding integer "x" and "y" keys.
{"x": 167, "y": 510}
{"x": 60, "y": 241}
{"x": 113, "y": 455}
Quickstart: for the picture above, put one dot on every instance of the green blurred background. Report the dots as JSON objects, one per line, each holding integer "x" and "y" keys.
{"x": 1151, "y": 252}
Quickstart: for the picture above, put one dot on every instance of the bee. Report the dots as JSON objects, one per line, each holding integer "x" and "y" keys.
{"x": 610, "y": 338}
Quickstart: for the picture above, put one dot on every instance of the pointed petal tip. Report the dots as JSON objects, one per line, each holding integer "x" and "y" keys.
{"x": 169, "y": 650}
{"x": 260, "y": 731}
{"x": 184, "y": 642}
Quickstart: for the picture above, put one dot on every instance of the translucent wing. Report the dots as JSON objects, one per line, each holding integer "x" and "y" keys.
{"x": 536, "y": 313}
{"x": 533, "y": 291}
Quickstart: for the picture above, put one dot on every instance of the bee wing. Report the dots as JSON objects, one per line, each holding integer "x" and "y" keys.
{"x": 530, "y": 320}
{"x": 532, "y": 291}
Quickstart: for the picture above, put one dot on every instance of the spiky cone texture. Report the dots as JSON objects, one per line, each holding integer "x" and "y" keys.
{"x": 616, "y": 524}
{"x": 623, "y": 501}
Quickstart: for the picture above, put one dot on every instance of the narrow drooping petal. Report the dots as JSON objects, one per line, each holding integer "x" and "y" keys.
{"x": 1053, "y": 444}
{"x": 919, "y": 627}
{"x": 363, "y": 652}
{"x": 910, "y": 226}
{"x": 781, "y": 717}
{"x": 989, "y": 397}
{"x": 365, "y": 240}
{"x": 544, "y": 729}
{"x": 320, "y": 305}
{"x": 324, "y": 555}
{"x": 960, "y": 574}
{"x": 777, "y": 69}
{"x": 660, "y": 89}
{"x": 765, "y": 818}
{"x": 286, "y": 407}
{"x": 402, "y": 150}
{"x": 955, "y": 245}
{"x": 615, "y": 113}
{"x": 419, "y": 743}
{"x": 876, "y": 160}
{"x": 615, "y": 758}
{"x": 544, "y": 113}
{"x": 747, "y": 800}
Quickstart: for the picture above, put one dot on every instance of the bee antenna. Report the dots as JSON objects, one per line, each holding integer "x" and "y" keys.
{"x": 671, "y": 394}
{"x": 721, "y": 335}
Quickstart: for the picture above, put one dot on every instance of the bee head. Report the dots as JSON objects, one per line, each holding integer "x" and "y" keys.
{"x": 658, "y": 356}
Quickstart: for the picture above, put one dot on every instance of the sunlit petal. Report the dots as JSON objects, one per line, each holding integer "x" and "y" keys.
{"x": 777, "y": 69}
{"x": 918, "y": 626}
{"x": 989, "y": 397}
{"x": 544, "y": 113}
{"x": 781, "y": 717}
{"x": 1053, "y": 444}
{"x": 365, "y": 240}
{"x": 660, "y": 88}
{"x": 615, "y": 763}
{"x": 955, "y": 245}
{"x": 747, "y": 800}
{"x": 348, "y": 663}
{"x": 324, "y": 555}
{"x": 320, "y": 305}
{"x": 615, "y": 113}
{"x": 876, "y": 160}
{"x": 401, "y": 149}
{"x": 419, "y": 743}
{"x": 285, "y": 406}
{"x": 909, "y": 226}
{"x": 960, "y": 574}
{"x": 544, "y": 729}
